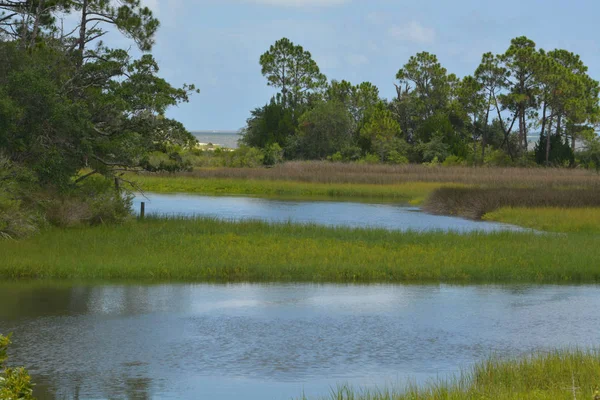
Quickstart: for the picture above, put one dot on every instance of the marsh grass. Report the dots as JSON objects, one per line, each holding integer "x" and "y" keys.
{"x": 555, "y": 375}
{"x": 411, "y": 192}
{"x": 353, "y": 173}
{"x": 210, "y": 250}
{"x": 474, "y": 203}
{"x": 550, "y": 219}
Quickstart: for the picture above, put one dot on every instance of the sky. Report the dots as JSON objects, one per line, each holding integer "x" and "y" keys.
{"x": 216, "y": 44}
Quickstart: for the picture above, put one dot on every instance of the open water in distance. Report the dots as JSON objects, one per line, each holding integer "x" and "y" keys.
{"x": 256, "y": 342}
{"x": 331, "y": 213}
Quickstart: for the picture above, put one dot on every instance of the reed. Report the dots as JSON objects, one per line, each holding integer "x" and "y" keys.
{"x": 353, "y": 173}
{"x": 476, "y": 202}
{"x": 210, "y": 250}
{"x": 555, "y": 375}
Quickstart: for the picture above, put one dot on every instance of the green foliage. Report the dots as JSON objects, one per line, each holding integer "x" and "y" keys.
{"x": 244, "y": 157}
{"x": 15, "y": 383}
{"x": 273, "y": 123}
{"x": 292, "y": 69}
{"x": 273, "y": 154}
{"x": 435, "y": 149}
{"x": 561, "y": 153}
{"x": 324, "y": 130}
{"x": 453, "y": 161}
{"x": 380, "y": 132}
{"x": 497, "y": 158}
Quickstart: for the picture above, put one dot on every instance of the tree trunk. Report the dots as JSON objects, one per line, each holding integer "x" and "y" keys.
{"x": 82, "y": 31}
{"x": 36, "y": 24}
{"x": 543, "y": 132}
{"x": 485, "y": 128}
{"x": 548, "y": 136}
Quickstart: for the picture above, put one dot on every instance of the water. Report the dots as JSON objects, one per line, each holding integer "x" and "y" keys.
{"x": 388, "y": 216}
{"x": 222, "y": 138}
{"x": 276, "y": 341}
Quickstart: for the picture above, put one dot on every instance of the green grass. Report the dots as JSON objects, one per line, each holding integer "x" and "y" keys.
{"x": 410, "y": 192}
{"x": 206, "y": 250}
{"x": 568, "y": 220}
{"x": 559, "y": 375}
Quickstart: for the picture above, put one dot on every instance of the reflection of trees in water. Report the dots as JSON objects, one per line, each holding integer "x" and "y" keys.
{"x": 138, "y": 388}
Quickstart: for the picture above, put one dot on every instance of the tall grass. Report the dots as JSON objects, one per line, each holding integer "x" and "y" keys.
{"x": 413, "y": 192}
{"x": 550, "y": 219}
{"x": 476, "y": 202}
{"x": 556, "y": 375}
{"x": 335, "y": 173}
{"x": 208, "y": 250}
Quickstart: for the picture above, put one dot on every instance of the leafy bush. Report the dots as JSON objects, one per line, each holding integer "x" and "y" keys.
{"x": 396, "y": 158}
{"x": 250, "y": 157}
{"x": 15, "y": 383}
{"x": 453, "y": 161}
{"x": 93, "y": 202}
{"x": 161, "y": 162}
{"x": 497, "y": 158}
{"x": 369, "y": 159}
{"x": 273, "y": 154}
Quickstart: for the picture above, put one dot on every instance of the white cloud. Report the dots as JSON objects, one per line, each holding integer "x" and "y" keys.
{"x": 413, "y": 32}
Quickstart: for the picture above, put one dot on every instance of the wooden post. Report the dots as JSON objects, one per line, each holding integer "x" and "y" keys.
{"x": 142, "y": 210}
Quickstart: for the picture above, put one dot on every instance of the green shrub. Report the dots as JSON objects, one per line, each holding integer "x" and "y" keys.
{"x": 497, "y": 158}
{"x": 396, "y": 158}
{"x": 94, "y": 201}
{"x": 369, "y": 159}
{"x": 336, "y": 157}
{"x": 453, "y": 161}
{"x": 244, "y": 157}
{"x": 273, "y": 154}
{"x": 15, "y": 383}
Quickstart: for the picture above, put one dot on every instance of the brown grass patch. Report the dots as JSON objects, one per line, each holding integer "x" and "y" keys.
{"x": 474, "y": 203}
{"x": 327, "y": 172}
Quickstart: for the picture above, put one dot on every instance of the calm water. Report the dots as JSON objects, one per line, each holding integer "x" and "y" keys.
{"x": 275, "y": 341}
{"x": 388, "y": 216}
{"x": 222, "y": 138}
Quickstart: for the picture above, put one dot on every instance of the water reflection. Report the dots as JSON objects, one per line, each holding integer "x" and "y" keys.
{"x": 387, "y": 216}
{"x": 275, "y": 341}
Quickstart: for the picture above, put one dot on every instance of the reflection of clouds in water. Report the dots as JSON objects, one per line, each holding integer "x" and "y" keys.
{"x": 270, "y": 341}
{"x": 333, "y": 213}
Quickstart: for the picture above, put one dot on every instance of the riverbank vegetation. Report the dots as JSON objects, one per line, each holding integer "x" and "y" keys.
{"x": 474, "y": 203}
{"x": 69, "y": 102}
{"x": 550, "y": 219}
{"x": 554, "y": 375}
{"x": 207, "y": 250}
{"x": 15, "y": 383}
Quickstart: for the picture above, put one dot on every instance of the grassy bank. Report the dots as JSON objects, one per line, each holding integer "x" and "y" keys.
{"x": 550, "y": 219}
{"x": 560, "y": 375}
{"x": 475, "y": 202}
{"x": 410, "y": 192}
{"x": 207, "y": 250}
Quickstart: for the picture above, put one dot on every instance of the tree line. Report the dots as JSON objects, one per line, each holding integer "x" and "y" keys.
{"x": 436, "y": 116}
{"x": 71, "y": 103}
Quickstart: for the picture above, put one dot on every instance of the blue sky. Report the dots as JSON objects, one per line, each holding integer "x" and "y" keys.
{"x": 216, "y": 44}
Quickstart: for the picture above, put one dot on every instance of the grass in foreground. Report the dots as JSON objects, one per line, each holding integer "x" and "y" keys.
{"x": 557, "y": 375}
{"x": 206, "y": 250}
{"x": 573, "y": 220}
{"x": 411, "y": 192}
